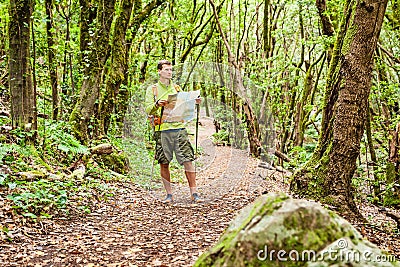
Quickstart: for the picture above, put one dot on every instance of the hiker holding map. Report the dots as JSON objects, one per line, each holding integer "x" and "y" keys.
{"x": 169, "y": 109}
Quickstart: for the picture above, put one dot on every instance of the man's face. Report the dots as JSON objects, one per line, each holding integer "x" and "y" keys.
{"x": 165, "y": 72}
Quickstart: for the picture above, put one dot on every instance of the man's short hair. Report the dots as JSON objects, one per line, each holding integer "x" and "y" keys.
{"x": 163, "y": 62}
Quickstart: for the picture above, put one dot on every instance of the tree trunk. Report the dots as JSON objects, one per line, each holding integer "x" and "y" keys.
{"x": 66, "y": 64}
{"x": 302, "y": 113}
{"x": 301, "y": 118}
{"x": 327, "y": 176}
{"x": 95, "y": 59}
{"x": 119, "y": 68}
{"x": 392, "y": 194}
{"x": 23, "y": 109}
{"x": 87, "y": 16}
{"x": 117, "y": 71}
{"x": 51, "y": 55}
{"x": 266, "y": 28}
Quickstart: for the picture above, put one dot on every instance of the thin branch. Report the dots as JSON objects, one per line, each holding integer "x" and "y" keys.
{"x": 390, "y": 55}
{"x": 231, "y": 56}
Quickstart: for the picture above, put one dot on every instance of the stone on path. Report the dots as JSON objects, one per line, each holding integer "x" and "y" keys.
{"x": 276, "y": 230}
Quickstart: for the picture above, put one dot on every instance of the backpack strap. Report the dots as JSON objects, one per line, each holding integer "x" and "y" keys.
{"x": 154, "y": 119}
{"x": 155, "y": 92}
{"x": 177, "y": 88}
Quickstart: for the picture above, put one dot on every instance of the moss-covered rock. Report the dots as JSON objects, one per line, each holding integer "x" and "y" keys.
{"x": 279, "y": 231}
{"x": 114, "y": 161}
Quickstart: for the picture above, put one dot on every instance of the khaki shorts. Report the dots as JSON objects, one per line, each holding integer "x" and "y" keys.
{"x": 173, "y": 141}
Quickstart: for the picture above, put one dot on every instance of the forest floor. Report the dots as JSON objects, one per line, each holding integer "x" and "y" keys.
{"x": 134, "y": 228}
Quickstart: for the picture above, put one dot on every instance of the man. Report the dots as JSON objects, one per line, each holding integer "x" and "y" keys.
{"x": 170, "y": 137}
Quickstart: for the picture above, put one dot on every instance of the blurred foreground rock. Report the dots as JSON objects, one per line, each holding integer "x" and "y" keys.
{"x": 276, "y": 230}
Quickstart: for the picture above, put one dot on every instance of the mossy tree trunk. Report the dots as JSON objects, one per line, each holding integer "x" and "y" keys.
{"x": 94, "y": 57}
{"x": 392, "y": 169}
{"x": 87, "y": 19}
{"x": 23, "y": 108}
{"x": 327, "y": 176}
{"x": 115, "y": 98}
{"x": 117, "y": 71}
{"x": 304, "y": 106}
{"x": 51, "y": 57}
{"x": 301, "y": 114}
{"x": 66, "y": 13}
{"x": 266, "y": 28}
{"x": 269, "y": 25}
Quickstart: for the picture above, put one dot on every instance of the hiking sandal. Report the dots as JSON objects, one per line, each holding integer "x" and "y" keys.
{"x": 196, "y": 198}
{"x": 169, "y": 199}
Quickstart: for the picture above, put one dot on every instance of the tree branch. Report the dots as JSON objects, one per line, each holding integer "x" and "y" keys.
{"x": 231, "y": 56}
{"x": 390, "y": 55}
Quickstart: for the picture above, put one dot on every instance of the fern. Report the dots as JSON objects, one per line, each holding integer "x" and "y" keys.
{"x": 60, "y": 137}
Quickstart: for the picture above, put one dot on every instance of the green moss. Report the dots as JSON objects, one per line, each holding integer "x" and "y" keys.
{"x": 114, "y": 161}
{"x": 391, "y": 198}
{"x": 312, "y": 175}
{"x": 329, "y": 200}
{"x": 351, "y": 32}
{"x": 76, "y": 125}
{"x": 390, "y": 172}
{"x": 311, "y": 231}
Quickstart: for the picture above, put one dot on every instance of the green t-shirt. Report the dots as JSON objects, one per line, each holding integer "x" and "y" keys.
{"x": 162, "y": 93}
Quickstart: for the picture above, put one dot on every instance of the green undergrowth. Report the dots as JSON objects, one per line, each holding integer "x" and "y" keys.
{"x": 48, "y": 172}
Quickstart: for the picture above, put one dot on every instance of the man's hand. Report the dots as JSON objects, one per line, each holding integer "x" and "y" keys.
{"x": 198, "y": 100}
{"x": 161, "y": 103}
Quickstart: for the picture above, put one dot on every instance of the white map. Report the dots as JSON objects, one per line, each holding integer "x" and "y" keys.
{"x": 180, "y": 107}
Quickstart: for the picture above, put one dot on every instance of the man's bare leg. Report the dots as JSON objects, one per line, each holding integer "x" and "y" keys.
{"x": 166, "y": 177}
{"x": 190, "y": 176}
